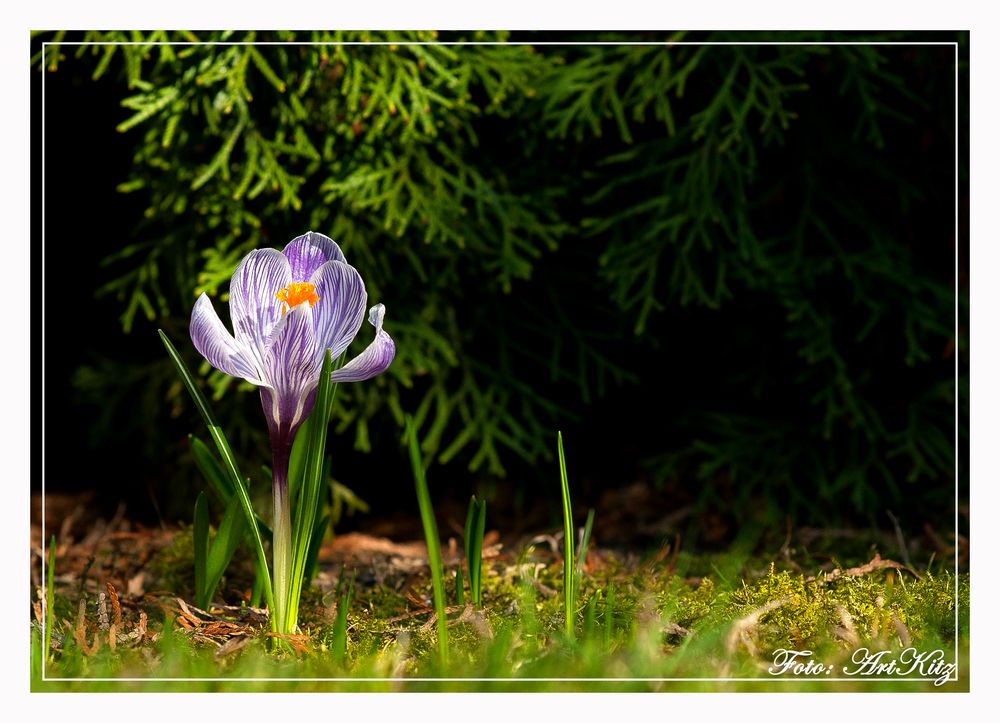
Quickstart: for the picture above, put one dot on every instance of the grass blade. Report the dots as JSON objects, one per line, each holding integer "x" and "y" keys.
{"x": 478, "y": 533}
{"x": 297, "y": 458}
{"x": 227, "y": 538}
{"x": 312, "y": 480}
{"x": 232, "y": 527}
{"x": 312, "y": 559}
{"x": 584, "y": 543}
{"x": 569, "y": 561}
{"x": 433, "y": 542}
{"x": 589, "y": 618}
{"x": 211, "y": 470}
{"x": 338, "y": 644}
{"x": 475, "y": 529}
{"x": 228, "y": 464}
{"x": 189, "y": 381}
{"x": 257, "y": 590}
{"x": 585, "y": 540}
{"x": 300, "y": 447}
{"x": 609, "y": 618}
{"x": 459, "y": 587}
{"x": 218, "y": 480}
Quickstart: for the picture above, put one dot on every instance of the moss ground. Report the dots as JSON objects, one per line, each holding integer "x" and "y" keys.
{"x": 667, "y": 622}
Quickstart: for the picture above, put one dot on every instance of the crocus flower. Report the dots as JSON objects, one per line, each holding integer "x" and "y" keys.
{"x": 288, "y": 307}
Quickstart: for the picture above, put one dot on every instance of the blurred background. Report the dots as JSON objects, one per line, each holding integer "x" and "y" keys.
{"x": 725, "y": 272}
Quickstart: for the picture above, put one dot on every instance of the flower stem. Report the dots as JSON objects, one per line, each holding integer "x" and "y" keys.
{"x": 282, "y": 540}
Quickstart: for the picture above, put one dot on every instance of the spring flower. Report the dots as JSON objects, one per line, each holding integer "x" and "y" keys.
{"x": 288, "y": 307}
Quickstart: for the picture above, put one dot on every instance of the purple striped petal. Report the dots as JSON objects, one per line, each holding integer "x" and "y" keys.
{"x": 290, "y": 365}
{"x": 252, "y": 302}
{"x": 341, "y": 307}
{"x": 310, "y": 251}
{"x": 214, "y": 342}
{"x": 375, "y": 359}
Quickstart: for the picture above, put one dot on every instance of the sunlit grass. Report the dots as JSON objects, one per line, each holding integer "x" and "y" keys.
{"x": 635, "y": 626}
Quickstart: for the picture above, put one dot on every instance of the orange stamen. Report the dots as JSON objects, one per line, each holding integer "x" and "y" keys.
{"x": 296, "y": 293}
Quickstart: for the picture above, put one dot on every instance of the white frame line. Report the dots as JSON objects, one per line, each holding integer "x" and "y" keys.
{"x": 44, "y": 543}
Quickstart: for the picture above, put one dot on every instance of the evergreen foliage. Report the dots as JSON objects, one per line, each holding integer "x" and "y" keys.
{"x": 535, "y": 218}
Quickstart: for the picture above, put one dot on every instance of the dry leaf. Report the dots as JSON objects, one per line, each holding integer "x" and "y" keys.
{"x": 298, "y": 642}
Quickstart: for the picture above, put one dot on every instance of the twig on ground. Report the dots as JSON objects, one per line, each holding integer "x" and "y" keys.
{"x": 742, "y": 629}
{"x": 433, "y": 618}
{"x": 876, "y": 563}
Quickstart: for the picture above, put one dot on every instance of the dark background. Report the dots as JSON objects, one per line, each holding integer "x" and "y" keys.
{"x": 645, "y": 446}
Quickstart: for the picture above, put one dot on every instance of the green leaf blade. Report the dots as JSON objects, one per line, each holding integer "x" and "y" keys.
{"x": 569, "y": 562}
{"x": 431, "y": 536}
{"x": 228, "y": 464}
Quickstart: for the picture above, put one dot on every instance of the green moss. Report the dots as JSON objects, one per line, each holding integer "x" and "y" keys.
{"x": 696, "y": 604}
{"x": 173, "y": 565}
{"x": 632, "y": 623}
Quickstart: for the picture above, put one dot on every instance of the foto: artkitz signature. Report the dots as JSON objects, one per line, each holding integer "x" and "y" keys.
{"x": 867, "y": 663}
